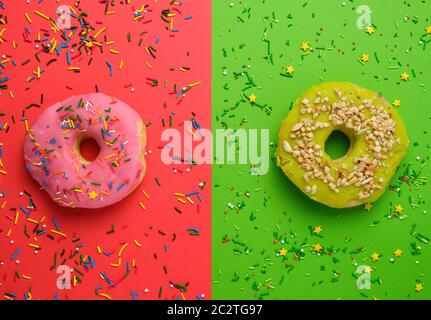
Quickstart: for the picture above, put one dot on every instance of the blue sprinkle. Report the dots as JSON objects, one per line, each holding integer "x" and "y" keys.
{"x": 15, "y": 253}
{"x": 56, "y": 224}
{"x": 121, "y": 186}
{"x": 24, "y": 210}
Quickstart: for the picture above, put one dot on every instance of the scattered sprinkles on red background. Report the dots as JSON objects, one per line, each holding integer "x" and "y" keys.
{"x": 152, "y": 55}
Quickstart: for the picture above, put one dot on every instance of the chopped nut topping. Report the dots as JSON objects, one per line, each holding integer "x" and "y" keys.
{"x": 372, "y": 122}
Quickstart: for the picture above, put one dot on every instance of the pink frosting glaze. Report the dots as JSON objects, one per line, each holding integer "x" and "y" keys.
{"x": 51, "y": 151}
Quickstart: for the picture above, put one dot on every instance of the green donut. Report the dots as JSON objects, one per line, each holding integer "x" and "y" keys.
{"x": 378, "y": 142}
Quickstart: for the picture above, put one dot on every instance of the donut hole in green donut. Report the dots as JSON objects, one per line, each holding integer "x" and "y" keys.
{"x": 88, "y": 148}
{"x": 337, "y": 145}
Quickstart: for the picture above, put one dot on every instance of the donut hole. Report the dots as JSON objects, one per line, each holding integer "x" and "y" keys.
{"x": 89, "y": 149}
{"x": 337, "y": 145}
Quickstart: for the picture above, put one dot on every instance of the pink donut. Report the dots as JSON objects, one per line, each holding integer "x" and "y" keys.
{"x": 52, "y": 151}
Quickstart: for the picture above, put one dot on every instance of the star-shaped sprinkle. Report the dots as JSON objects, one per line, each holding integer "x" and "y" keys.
{"x": 290, "y": 70}
{"x": 398, "y": 253}
{"x": 396, "y": 103}
{"x": 399, "y": 208}
{"x": 92, "y": 195}
{"x": 317, "y": 247}
{"x": 369, "y": 30}
{"x": 375, "y": 256}
{"x": 282, "y": 252}
{"x": 252, "y": 98}
{"x": 419, "y": 287}
{"x": 404, "y": 76}
{"x": 317, "y": 229}
{"x": 304, "y": 46}
{"x": 368, "y": 206}
{"x": 428, "y": 30}
{"x": 365, "y": 58}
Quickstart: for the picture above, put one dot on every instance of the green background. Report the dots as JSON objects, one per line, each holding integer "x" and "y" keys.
{"x": 253, "y": 43}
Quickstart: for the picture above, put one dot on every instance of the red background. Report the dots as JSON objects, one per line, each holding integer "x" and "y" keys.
{"x": 161, "y": 259}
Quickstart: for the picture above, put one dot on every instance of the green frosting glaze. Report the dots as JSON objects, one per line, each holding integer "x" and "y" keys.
{"x": 378, "y": 142}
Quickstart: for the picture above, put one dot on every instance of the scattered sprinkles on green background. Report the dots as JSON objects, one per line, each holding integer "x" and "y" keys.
{"x": 269, "y": 240}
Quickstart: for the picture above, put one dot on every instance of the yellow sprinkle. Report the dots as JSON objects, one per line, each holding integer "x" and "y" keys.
{"x": 179, "y": 194}
{"x": 32, "y": 245}
{"x": 3, "y": 172}
{"x": 181, "y": 200}
{"x": 137, "y": 243}
{"x": 142, "y": 205}
{"x": 32, "y": 220}
{"x": 108, "y": 43}
{"x": 105, "y": 296}
{"x": 3, "y": 204}
{"x": 7, "y": 297}
{"x": 11, "y": 94}
{"x": 54, "y": 26}
{"x": 72, "y": 9}
{"x": 75, "y": 280}
{"x": 145, "y": 194}
{"x": 28, "y": 18}
{"x": 148, "y": 65}
{"x": 54, "y": 44}
{"x": 116, "y": 265}
{"x": 133, "y": 263}
{"x": 182, "y": 296}
{"x": 121, "y": 65}
{"x": 58, "y": 232}
{"x": 122, "y": 248}
{"x": 37, "y": 72}
{"x": 73, "y": 68}
{"x": 26, "y": 277}
{"x": 8, "y": 233}
{"x": 190, "y": 200}
{"x": 99, "y": 32}
{"x": 99, "y": 250}
{"x": 40, "y": 14}
{"x": 16, "y": 217}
